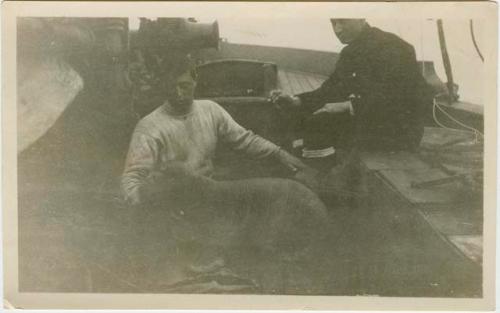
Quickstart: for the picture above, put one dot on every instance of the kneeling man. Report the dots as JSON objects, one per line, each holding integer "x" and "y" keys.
{"x": 187, "y": 131}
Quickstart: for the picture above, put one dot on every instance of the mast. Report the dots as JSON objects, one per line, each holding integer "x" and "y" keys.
{"x": 452, "y": 96}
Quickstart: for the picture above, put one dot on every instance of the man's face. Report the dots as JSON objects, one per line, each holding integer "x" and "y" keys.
{"x": 180, "y": 90}
{"x": 347, "y": 30}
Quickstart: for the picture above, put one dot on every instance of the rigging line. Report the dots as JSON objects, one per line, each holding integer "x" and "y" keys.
{"x": 471, "y": 27}
{"x": 458, "y": 122}
{"x": 469, "y": 129}
{"x": 434, "y": 116}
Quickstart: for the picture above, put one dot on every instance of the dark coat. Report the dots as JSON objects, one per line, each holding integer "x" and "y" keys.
{"x": 380, "y": 74}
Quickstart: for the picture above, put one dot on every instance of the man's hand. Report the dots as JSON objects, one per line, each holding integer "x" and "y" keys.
{"x": 291, "y": 162}
{"x": 335, "y": 107}
{"x": 284, "y": 101}
{"x": 302, "y": 172}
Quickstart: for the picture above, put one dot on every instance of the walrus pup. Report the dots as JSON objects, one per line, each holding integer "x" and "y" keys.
{"x": 278, "y": 215}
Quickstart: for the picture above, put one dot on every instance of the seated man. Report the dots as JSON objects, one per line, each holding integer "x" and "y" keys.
{"x": 187, "y": 131}
{"x": 373, "y": 100}
{"x": 374, "y": 97}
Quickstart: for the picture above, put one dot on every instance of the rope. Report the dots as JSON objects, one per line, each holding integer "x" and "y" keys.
{"x": 470, "y": 129}
{"x": 471, "y": 24}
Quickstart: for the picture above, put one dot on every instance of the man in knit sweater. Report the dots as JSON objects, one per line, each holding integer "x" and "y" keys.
{"x": 187, "y": 131}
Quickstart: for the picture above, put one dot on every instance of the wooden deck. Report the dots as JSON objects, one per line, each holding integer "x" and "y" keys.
{"x": 295, "y": 82}
{"x": 453, "y": 211}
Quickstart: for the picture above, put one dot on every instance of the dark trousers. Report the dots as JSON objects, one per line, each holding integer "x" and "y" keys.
{"x": 339, "y": 130}
{"x": 324, "y": 130}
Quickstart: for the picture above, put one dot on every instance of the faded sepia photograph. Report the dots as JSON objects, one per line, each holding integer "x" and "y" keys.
{"x": 219, "y": 155}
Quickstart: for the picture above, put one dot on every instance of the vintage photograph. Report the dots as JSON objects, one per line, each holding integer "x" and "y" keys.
{"x": 297, "y": 156}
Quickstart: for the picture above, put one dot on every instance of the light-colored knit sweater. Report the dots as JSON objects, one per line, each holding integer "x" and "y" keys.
{"x": 161, "y": 137}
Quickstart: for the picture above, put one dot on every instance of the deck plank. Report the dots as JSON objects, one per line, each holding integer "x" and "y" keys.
{"x": 455, "y": 220}
{"x": 284, "y": 83}
{"x": 294, "y": 82}
{"x": 471, "y": 246}
{"x": 377, "y": 161}
{"x": 402, "y": 181}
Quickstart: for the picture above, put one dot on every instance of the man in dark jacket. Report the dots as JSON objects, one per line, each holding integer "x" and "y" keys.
{"x": 373, "y": 99}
